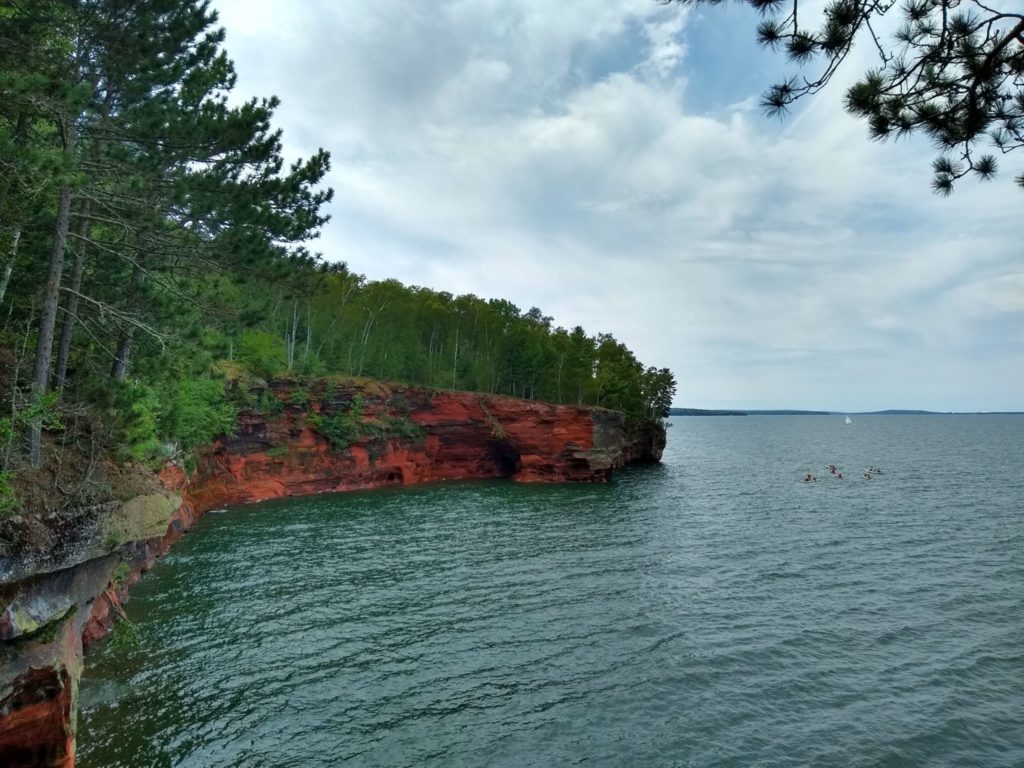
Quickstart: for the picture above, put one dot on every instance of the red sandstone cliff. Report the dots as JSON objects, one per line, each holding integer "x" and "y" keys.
{"x": 51, "y": 605}
{"x": 465, "y": 435}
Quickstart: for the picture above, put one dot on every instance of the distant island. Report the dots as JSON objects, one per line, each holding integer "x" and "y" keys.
{"x": 704, "y": 412}
{"x": 791, "y": 412}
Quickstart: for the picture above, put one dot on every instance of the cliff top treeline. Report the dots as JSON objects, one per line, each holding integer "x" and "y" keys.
{"x": 149, "y": 227}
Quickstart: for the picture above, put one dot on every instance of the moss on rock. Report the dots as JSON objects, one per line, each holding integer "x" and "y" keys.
{"x": 138, "y": 519}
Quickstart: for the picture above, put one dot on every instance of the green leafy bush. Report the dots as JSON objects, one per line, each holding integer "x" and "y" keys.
{"x": 199, "y": 412}
{"x": 241, "y": 396}
{"x": 122, "y": 573}
{"x": 45, "y": 410}
{"x": 268, "y": 403}
{"x": 131, "y": 414}
{"x": 140, "y": 411}
{"x": 299, "y": 397}
{"x": 405, "y": 429}
{"x": 343, "y": 428}
{"x": 277, "y": 450}
{"x": 124, "y": 637}
{"x": 340, "y": 429}
{"x": 309, "y": 365}
{"x": 346, "y": 427}
{"x": 263, "y": 353}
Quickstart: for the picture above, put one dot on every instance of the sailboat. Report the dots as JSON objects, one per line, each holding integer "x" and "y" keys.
{"x": 848, "y": 421}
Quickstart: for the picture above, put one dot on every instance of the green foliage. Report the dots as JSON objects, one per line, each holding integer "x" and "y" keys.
{"x": 264, "y": 353}
{"x": 124, "y": 637}
{"x": 130, "y": 412}
{"x": 241, "y": 397}
{"x": 8, "y": 499}
{"x": 199, "y": 412}
{"x": 140, "y": 421}
{"x": 6, "y": 440}
{"x": 341, "y": 429}
{"x": 497, "y": 431}
{"x": 951, "y": 69}
{"x": 44, "y": 410}
{"x": 190, "y": 227}
{"x": 121, "y": 574}
{"x": 658, "y": 387}
{"x": 268, "y": 403}
{"x": 404, "y": 428}
{"x": 344, "y": 428}
{"x": 277, "y": 450}
{"x": 299, "y": 397}
{"x": 49, "y": 631}
{"x": 310, "y": 365}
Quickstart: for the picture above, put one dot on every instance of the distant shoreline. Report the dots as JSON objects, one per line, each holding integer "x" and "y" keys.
{"x": 789, "y": 412}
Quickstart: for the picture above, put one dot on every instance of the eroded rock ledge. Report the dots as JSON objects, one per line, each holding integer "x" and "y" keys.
{"x": 53, "y": 602}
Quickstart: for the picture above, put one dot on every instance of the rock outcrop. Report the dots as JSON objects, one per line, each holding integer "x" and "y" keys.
{"x": 52, "y": 602}
{"x": 459, "y": 435}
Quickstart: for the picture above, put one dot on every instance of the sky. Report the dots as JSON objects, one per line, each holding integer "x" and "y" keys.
{"x": 608, "y": 163}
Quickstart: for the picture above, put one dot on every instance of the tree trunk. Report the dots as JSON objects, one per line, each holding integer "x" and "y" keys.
{"x": 12, "y": 254}
{"x": 119, "y": 370}
{"x": 561, "y": 360}
{"x": 48, "y": 315}
{"x": 71, "y": 316}
{"x": 326, "y": 336}
{"x": 20, "y": 131}
{"x": 309, "y": 329}
{"x": 455, "y": 359}
{"x": 290, "y": 336}
{"x": 71, "y": 308}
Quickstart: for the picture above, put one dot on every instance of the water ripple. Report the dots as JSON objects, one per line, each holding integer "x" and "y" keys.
{"x": 713, "y": 611}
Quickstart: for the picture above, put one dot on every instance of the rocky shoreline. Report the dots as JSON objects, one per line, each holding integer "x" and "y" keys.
{"x": 56, "y": 601}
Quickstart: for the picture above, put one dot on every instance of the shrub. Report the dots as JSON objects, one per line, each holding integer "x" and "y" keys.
{"x": 133, "y": 412}
{"x": 268, "y": 403}
{"x": 405, "y": 429}
{"x": 340, "y": 429}
{"x": 44, "y": 410}
{"x": 299, "y": 397}
{"x": 124, "y": 637}
{"x": 343, "y": 428}
{"x": 241, "y": 396}
{"x": 264, "y": 353}
{"x": 346, "y": 427}
{"x": 199, "y": 412}
{"x": 309, "y": 365}
{"x": 122, "y": 573}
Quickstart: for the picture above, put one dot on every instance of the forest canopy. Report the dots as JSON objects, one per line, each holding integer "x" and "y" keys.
{"x": 152, "y": 237}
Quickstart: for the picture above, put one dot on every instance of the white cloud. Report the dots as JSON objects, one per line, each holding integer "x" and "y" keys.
{"x": 550, "y": 154}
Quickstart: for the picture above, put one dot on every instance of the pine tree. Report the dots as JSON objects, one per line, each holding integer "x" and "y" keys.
{"x": 164, "y": 179}
{"x": 954, "y": 71}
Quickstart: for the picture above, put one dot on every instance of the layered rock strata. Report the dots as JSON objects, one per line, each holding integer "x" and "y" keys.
{"x": 52, "y": 603}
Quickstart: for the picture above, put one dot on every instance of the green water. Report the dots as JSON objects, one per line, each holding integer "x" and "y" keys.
{"x": 710, "y": 611}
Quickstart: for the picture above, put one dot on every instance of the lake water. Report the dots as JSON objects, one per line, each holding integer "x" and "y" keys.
{"x": 709, "y": 611}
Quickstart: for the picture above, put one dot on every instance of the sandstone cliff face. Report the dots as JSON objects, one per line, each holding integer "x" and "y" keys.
{"x": 51, "y": 604}
{"x": 464, "y": 435}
